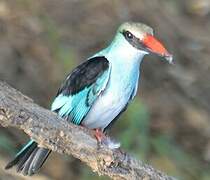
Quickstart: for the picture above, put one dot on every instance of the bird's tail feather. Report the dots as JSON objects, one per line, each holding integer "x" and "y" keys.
{"x": 30, "y": 159}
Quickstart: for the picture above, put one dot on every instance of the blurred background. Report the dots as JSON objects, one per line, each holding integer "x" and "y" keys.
{"x": 168, "y": 124}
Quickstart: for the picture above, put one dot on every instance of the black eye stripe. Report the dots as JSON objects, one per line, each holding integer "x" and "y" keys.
{"x": 134, "y": 41}
{"x": 131, "y": 38}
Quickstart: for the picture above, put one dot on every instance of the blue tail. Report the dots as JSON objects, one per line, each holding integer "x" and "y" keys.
{"x": 29, "y": 159}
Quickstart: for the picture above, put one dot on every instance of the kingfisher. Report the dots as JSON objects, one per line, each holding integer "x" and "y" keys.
{"x": 97, "y": 91}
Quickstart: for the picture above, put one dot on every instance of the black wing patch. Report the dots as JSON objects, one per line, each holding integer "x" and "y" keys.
{"x": 84, "y": 75}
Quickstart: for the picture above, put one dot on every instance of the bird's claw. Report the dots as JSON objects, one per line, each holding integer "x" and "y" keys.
{"x": 103, "y": 140}
{"x": 100, "y": 136}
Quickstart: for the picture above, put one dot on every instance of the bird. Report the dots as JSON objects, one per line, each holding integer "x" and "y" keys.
{"x": 97, "y": 91}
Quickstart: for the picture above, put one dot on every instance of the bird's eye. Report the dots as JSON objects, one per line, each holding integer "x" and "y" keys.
{"x": 128, "y": 35}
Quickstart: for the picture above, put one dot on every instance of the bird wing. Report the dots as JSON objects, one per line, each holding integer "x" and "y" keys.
{"x": 81, "y": 88}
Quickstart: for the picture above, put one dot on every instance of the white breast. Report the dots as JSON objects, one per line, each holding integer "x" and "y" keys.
{"x": 111, "y": 102}
{"x": 104, "y": 110}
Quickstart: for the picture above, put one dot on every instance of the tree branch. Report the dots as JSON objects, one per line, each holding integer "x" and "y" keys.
{"x": 51, "y": 131}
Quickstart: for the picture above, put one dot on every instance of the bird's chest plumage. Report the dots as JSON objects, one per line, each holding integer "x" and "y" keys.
{"x": 115, "y": 97}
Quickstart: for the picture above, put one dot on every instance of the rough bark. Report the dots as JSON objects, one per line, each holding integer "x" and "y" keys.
{"x": 51, "y": 131}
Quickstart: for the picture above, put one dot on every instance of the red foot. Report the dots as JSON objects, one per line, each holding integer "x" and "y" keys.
{"x": 100, "y": 136}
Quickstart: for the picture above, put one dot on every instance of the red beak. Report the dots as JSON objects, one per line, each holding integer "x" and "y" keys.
{"x": 154, "y": 46}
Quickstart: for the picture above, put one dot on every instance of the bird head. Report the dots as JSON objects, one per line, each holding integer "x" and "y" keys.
{"x": 141, "y": 37}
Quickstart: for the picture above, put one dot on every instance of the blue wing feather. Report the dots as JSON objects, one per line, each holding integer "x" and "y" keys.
{"x": 75, "y": 107}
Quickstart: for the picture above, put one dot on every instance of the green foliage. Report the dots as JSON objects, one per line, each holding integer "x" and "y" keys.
{"x": 185, "y": 165}
{"x": 6, "y": 144}
{"x": 134, "y": 134}
{"x": 159, "y": 150}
